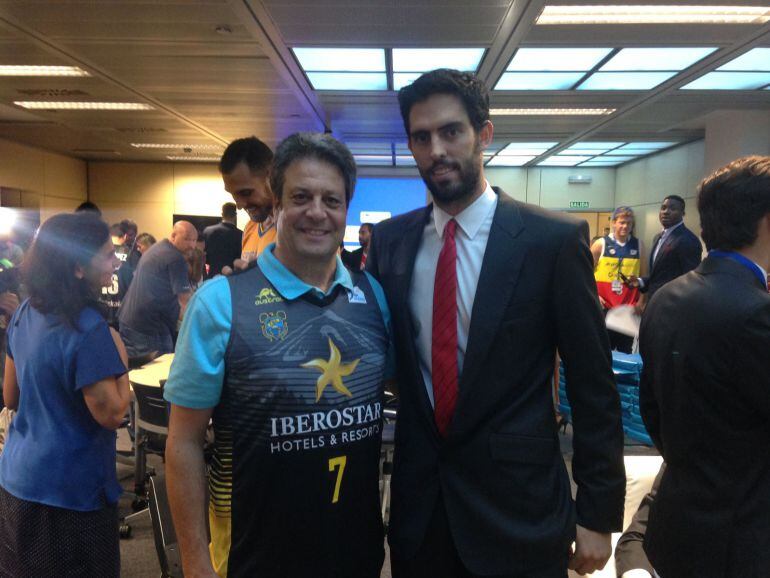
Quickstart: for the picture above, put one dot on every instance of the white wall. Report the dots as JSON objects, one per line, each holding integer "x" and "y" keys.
{"x": 644, "y": 183}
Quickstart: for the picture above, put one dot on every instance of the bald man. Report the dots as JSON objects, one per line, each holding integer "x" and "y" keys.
{"x": 158, "y": 295}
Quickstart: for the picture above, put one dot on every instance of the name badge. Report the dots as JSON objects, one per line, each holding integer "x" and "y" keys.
{"x": 617, "y": 287}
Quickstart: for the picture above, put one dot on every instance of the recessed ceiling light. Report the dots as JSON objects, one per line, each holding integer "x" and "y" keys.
{"x": 597, "y": 145}
{"x": 152, "y": 145}
{"x": 557, "y": 59}
{"x": 192, "y": 158}
{"x": 405, "y": 161}
{"x": 348, "y": 80}
{"x": 729, "y": 81}
{"x": 550, "y": 111}
{"x": 12, "y": 70}
{"x": 649, "y": 145}
{"x": 509, "y": 161}
{"x": 657, "y": 58}
{"x": 650, "y": 14}
{"x": 44, "y": 105}
{"x": 563, "y": 160}
{"x": 341, "y": 59}
{"x": 538, "y": 80}
{"x": 424, "y": 59}
{"x": 756, "y": 59}
{"x": 625, "y": 80}
{"x": 526, "y": 148}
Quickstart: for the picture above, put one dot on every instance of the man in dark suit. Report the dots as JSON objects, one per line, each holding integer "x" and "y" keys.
{"x": 483, "y": 289}
{"x": 223, "y": 241}
{"x": 675, "y": 250}
{"x": 704, "y": 393}
{"x": 356, "y": 260}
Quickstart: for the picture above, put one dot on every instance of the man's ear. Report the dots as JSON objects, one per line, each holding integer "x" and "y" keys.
{"x": 486, "y": 134}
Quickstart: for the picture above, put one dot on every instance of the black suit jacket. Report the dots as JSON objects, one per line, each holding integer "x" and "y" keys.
{"x": 352, "y": 259}
{"x": 499, "y": 471}
{"x": 680, "y": 254}
{"x": 223, "y": 246}
{"x": 705, "y": 399}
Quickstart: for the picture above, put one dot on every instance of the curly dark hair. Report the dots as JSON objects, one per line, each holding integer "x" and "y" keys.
{"x": 471, "y": 91}
{"x": 731, "y": 202}
{"x": 63, "y": 242}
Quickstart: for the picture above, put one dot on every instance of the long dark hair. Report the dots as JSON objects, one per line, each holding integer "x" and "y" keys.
{"x": 63, "y": 243}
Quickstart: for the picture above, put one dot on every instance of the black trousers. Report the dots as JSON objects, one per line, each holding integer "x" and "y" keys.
{"x": 437, "y": 556}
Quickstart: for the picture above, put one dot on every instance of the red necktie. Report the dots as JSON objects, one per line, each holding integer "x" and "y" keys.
{"x": 363, "y": 262}
{"x": 444, "y": 344}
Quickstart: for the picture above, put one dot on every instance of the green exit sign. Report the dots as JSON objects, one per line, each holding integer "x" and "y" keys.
{"x": 578, "y": 204}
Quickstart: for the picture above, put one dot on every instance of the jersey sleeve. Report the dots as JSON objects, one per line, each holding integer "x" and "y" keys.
{"x": 198, "y": 369}
{"x": 180, "y": 281}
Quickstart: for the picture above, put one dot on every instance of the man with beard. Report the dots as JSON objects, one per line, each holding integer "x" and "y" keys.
{"x": 483, "y": 289}
{"x": 245, "y": 168}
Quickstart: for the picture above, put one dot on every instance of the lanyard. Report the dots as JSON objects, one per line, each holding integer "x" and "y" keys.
{"x": 746, "y": 262}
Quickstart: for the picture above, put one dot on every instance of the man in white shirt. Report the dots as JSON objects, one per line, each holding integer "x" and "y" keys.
{"x": 483, "y": 289}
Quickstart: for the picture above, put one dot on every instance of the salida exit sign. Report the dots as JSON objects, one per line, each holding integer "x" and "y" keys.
{"x": 578, "y": 204}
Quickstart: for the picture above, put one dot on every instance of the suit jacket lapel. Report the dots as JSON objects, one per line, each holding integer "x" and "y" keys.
{"x": 655, "y": 241}
{"x": 500, "y": 270}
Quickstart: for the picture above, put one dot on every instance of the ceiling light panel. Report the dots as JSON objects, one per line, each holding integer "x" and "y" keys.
{"x": 557, "y": 59}
{"x": 597, "y": 145}
{"x": 424, "y": 59}
{"x": 756, "y": 59}
{"x": 625, "y": 80}
{"x": 729, "y": 81}
{"x": 509, "y": 161}
{"x": 152, "y": 145}
{"x": 405, "y": 161}
{"x": 550, "y": 111}
{"x": 563, "y": 161}
{"x": 341, "y": 59}
{"x": 650, "y": 14}
{"x": 374, "y": 160}
{"x": 649, "y": 145}
{"x": 44, "y": 105}
{"x": 344, "y": 68}
{"x": 538, "y": 80}
{"x": 518, "y": 148}
{"x": 654, "y": 59}
{"x": 8, "y": 70}
{"x": 194, "y": 159}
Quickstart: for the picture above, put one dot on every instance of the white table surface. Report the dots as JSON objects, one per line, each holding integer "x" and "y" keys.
{"x": 153, "y": 372}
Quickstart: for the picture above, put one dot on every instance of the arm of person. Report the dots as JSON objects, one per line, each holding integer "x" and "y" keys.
{"x": 9, "y": 303}
{"x": 184, "y": 299}
{"x": 186, "y": 482}
{"x": 597, "y": 248}
{"x": 630, "y": 558}
{"x": 691, "y": 255}
{"x": 598, "y": 435}
{"x": 10, "y": 385}
{"x": 107, "y": 399}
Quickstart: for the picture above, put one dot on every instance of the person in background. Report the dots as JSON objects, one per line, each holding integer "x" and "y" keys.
{"x": 88, "y": 207}
{"x": 158, "y": 295}
{"x": 675, "y": 250}
{"x": 65, "y": 375}
{"x": 287, "y": 359}
{"x": 144, "y": 242}
{"x": 245, "y": 168}
{"x": 356, "y": 260}
{"x": 704, "y": 393}
{"x": 113, "y": 294}
{"x": 223, "y": 242}
{"x": 617, "y": 258}
{"x": 130, "y": 231}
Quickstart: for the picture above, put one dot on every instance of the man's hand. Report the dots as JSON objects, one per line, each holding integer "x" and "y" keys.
{"x": 633, "y": 281}
{"x": 9, "y": 302}
{"x": 592, "y": 550}
{"x": 603, "y": 302}
{"x": 238, "y": 265}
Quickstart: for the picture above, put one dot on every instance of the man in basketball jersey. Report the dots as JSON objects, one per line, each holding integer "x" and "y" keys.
{"x": 287, "y": 358}
{"x": 617, "y": 258}
{"x": 245, "y": 168}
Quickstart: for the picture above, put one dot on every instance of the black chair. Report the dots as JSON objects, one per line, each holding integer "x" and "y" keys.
{"x": 163, "y": 530}
{"x": 149, "y": 418}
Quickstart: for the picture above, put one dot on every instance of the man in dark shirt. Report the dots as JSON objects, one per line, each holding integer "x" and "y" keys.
{"x": 158, "y": 295}
{"x": 223, "y": 242}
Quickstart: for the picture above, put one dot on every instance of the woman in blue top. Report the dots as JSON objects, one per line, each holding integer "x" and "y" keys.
{"x": 65, "y": 375}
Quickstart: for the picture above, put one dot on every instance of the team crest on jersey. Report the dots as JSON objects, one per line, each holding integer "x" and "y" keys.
{"x": 356, "y": 295}
{"x": 267, "y": 296}
{"x": 634, "y": 251}
{"x": 274, "y": 325}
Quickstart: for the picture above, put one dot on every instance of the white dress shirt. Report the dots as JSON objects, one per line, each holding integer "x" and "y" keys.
{"x": 471, "y": 236}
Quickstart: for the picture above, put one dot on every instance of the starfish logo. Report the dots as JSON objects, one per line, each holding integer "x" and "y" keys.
{"x": 332, "y": 371}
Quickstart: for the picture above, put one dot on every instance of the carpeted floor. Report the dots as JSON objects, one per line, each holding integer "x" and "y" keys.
{"x": 139, "y": 558}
